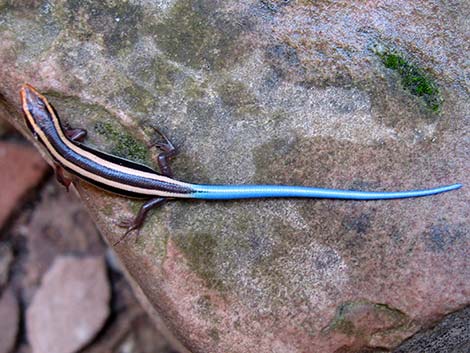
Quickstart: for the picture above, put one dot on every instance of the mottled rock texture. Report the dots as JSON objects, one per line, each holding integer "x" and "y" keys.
{"x": 451, "y": 335}
{"x": 9, "y": 312}
{"x": 6, "y": 258}
{"x": 22, "y": 168}
{"x": 70, "y": 307}
{"x": 55, "y": 224}
{"x": 346, "y": 94}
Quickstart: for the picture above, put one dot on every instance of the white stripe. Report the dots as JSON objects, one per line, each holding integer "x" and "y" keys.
{"x": 77, "y": 169}
{"x": 104, "y": 162}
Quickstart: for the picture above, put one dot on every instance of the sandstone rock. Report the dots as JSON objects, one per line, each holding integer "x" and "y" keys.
{"x": 5, "y": 127}
{"x": 351, "y": 94}
{"x": 22, "y": 168}
{"x": 6, "y": 258}
{"x": 59, "y": 225}
{"x": 10, "y": 318}
{"x": 70, "y": 307}
{"x": 451, "y": 335}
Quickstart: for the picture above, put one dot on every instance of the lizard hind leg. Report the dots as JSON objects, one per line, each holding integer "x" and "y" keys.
{"x": 138, "y": 221}
{"x": 61, "y": 177}
{"x": 168, "y": 150}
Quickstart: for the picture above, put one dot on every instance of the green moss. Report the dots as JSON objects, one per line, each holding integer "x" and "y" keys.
{"x": 413, "y": 79}
{"x": 123, "y": 144}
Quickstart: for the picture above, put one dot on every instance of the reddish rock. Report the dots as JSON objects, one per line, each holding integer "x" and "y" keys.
{"x": 5, "y": 127}
{"x": 58, "y": 225}
{"x": 345, "y": 94}
{"x": 21, "y": 168}
{"x": 9, "y": 319}
{"x": 6, "y": 258}
{"x": 70, "y": 307}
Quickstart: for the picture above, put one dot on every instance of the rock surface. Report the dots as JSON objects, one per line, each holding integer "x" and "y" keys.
{"x": 56, "y": 224}
{"x": 59, "y": 225}
{"x": 361, "y": 94}
{"x": 22, "y": 168}
{"x": 10, "y": 318}
{"x": 70, "y": 307}
{"x": 452, "y": 335}
{"x": 6, "y": 258}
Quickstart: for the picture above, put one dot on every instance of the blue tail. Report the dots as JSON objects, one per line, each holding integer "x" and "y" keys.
{"x": 230, "y": 192}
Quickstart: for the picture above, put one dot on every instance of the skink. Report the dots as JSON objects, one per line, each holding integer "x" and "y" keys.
{"x": 127, "y": 178}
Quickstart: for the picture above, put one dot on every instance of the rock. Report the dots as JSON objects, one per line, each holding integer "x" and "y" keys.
{"x": 5, "y": 127}
{"x": 9, "y": 312}
{"x": 358, "y": 94}
{"x": 59, "y": 225}
{"x": 6, "y": 258}
{"x": 22, "y": 169}
{"x": 451, "y": 335}
{"x": 70, "y": 307}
